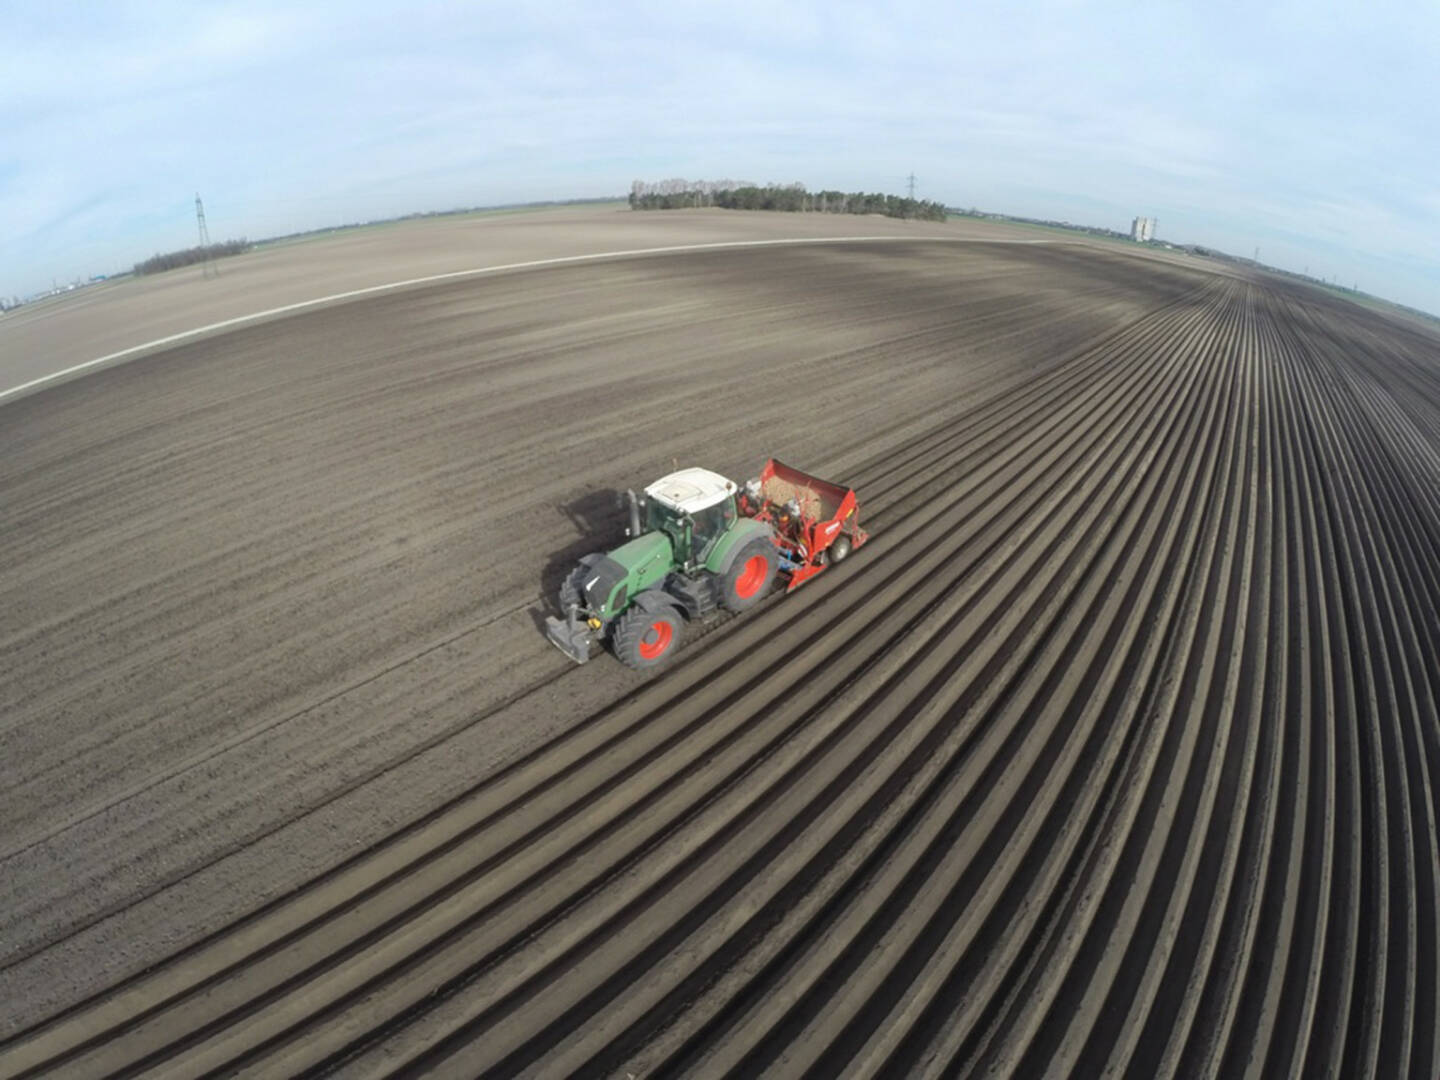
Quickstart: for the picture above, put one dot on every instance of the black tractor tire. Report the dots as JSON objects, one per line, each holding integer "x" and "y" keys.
{"x": 750, "y": 576}
{"x": 646, "y": 640}
{"x": 837, "y": 551}
{"x": 572, "y": 589}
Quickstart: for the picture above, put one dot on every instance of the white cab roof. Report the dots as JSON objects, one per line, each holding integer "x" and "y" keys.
{"x": 691, "y": 490}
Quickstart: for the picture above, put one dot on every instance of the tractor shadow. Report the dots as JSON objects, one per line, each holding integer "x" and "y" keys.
{"x": 599, "y": 517}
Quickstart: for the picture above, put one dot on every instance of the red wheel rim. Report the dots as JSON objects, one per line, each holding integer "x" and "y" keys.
{"x": 656, "y": 640}
{"x": 752, "y": 577}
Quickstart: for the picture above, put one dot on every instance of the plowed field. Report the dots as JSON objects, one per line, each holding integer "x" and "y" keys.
{"x": 1114, "y": 748}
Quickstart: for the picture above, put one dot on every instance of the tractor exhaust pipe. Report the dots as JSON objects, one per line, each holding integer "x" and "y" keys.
{"x": 634, "y": 529}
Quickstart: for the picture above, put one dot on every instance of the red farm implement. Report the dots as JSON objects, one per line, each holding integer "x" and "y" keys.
{"x": 815, "y": 522}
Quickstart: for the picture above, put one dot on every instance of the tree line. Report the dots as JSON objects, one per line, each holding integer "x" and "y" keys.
{"x": 170, "y": 260}
{"x": 732, "y": 195}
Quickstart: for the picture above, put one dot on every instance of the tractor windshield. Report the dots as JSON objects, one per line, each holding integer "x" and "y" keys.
{"x": 666, "y": 519}
{"x": 700, "y": 529}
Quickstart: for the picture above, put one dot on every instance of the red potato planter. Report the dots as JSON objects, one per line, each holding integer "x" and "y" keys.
{"x": 815, "y": 522}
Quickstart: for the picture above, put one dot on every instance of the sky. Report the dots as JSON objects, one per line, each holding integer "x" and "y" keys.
{"x": 1308, "y": 131}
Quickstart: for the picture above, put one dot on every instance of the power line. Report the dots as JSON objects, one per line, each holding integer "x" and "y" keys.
{"x": 209, "y": 269}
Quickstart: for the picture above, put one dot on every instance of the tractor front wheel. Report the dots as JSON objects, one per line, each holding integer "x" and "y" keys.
{"x": 572, "y": 589}
{"x": 646, "y": 639}
{"x": 750, "y": 576}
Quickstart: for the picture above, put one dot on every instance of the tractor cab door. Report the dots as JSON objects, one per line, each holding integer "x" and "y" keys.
{"x": 707, "y": 526}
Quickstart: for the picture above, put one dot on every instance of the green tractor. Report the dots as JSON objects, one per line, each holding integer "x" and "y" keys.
{"x": 690, "y": 551}
{"x": 698, "y": 543}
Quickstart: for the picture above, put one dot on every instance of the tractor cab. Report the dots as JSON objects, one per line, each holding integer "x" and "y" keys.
{"x": 694, "y": 508}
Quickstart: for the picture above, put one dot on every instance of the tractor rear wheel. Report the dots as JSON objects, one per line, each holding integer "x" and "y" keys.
{"x": 750, "y": 576}
{"x": 646, "y": 639}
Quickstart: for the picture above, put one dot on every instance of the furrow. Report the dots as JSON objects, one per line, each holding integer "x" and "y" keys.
{"x": 293, "y": 959}
{"x": 1114, "y": 752}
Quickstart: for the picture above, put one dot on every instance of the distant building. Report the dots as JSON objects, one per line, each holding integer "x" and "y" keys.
{"x": 1142, "y": 229}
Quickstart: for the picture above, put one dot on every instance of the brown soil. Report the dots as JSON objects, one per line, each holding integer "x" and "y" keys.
{"x": 1114, "y": 747}
{"x": 40, "y": 339}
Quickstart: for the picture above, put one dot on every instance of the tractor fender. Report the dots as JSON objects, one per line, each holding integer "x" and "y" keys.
{"x": 730, "y": 545}
{"x": 655, "y": 601}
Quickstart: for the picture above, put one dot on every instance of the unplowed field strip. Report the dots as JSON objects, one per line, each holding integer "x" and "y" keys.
{"x": 1114, "y": 749}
